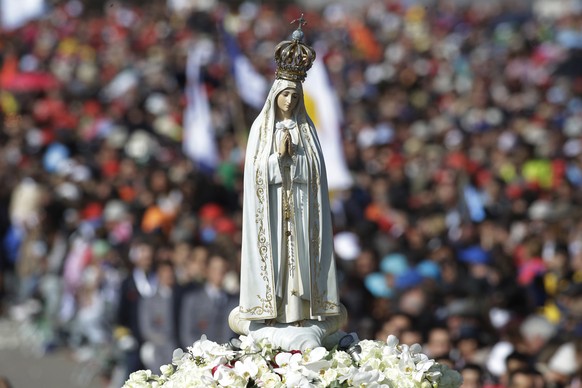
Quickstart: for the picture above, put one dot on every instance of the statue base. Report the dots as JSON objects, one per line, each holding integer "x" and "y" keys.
{"x": 309, "y": 335}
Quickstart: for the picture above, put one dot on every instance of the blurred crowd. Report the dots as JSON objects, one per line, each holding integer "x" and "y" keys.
{"x": 462, "y": 130}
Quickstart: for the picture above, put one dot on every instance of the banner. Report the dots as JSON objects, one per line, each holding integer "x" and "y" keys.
{"x": 324, "y": 109}
{"x": 16, "y": 13}
{"x": 251, "y": 86}
{"x": 199, "y": 142}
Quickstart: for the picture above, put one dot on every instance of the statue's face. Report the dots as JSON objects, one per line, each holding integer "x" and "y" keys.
{"x": 287, "y": 101}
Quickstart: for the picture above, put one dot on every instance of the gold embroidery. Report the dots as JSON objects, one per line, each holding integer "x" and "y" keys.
{"x": 320, "y": 304}
{"x": 267, "y": 302}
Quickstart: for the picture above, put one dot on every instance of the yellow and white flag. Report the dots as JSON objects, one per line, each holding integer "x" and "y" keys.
{"x": 323, "y": 107}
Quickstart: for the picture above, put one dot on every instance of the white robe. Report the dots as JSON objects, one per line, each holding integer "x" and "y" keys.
{"x": 287, "y": 278}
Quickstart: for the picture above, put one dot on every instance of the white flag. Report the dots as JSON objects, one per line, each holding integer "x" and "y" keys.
{"x": 251, "y": 86}
{"x": 199, "y": 142}
{"x": 16, "y": 13}
{"x": 324, "y": 109}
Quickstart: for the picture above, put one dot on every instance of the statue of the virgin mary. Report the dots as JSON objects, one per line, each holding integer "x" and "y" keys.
{"x": 288, "y": 271}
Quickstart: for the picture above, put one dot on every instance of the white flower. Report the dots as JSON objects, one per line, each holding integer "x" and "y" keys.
{"x": 314, "y": 354}
{"x": 269, "y": 380}
{"x": 283, "y": 360}
{"x": 364, "y": 377}
{"x": 415, "y": 348}
{"x": 262, "y": 364}
{"x": 302, "y": 370}
{"x": 190, "y": 374}
{"x": 140, "y": 376}
{"x": 314, "y": 363}
{"x": 207, "y": 364}
{"x": 167, "y": 370}
{"x": 392, "y": 341}
{"x": 247, "y": 368}
{"x": 341, "y": 359}
{"x": 295, "y": 378}
{"x": 422, "y": 367}
{"x": 266, "y": 348}
{"x": 248, "y": 344}
{"x": 370, "y": 349}
{"x": 141, "y": 379}
{"x": 178, "y": 357}
{"x": 329, "y": 376}
{"x": 348, "y": 374}
{"x": 212, "y": 353}
{"x": 406, "y": 363}
{"x": 375, "y": 363}
{"x": 315, "y": 370}
{"x": 288, "y": 363}
{"x": 134, "y": 384}
{"x": 227, "y": 377}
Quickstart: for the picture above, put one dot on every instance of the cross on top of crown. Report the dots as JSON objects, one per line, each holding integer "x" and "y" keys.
{"x": 301, "y": 21}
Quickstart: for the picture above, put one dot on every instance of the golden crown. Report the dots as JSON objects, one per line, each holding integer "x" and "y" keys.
{"x": 293, "y": 57}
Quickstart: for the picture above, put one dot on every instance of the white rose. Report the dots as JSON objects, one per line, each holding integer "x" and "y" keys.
{"x": 341, "y": 359}
{"x": 269, "y": 380}
{"x": 329, "y": 376}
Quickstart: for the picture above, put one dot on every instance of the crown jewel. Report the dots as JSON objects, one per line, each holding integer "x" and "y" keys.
{"x": 293, "y": 57}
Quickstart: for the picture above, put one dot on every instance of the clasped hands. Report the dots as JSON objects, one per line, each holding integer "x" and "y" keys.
{"x": 286, "y": 145}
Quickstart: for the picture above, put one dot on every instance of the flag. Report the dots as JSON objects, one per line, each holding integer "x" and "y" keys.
{"x": 16, "y": 13}
{"x": 324, "y": 109}
{"x": 198, "y": 142}
{"x": 251, "y": 86}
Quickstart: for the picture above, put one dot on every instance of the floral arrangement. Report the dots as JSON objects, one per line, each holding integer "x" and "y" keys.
{"x": 257, "y": 364}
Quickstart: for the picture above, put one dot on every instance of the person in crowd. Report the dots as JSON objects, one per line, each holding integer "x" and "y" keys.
{"x": 395, "y": 325}
{"x": 205, "y": 310}
{"x": 411, "y": 336}
{"x": 156, "y": 320}
{"x": 140, "y": 283}
{"x": 438, "y": 343}
{"x": 472, "y": 376}
{"x": 526, "y": 377}
{"x": 515, "y": 361}
{"x": 4, "y": 382}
